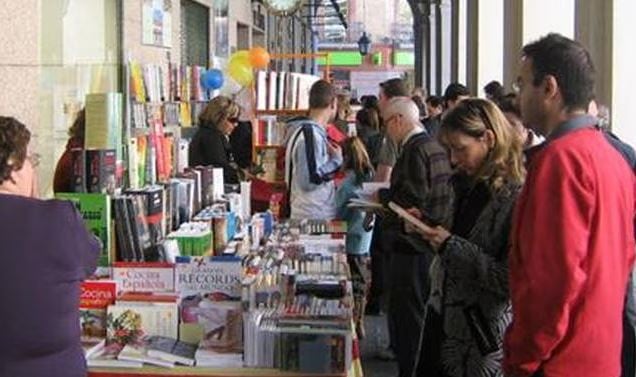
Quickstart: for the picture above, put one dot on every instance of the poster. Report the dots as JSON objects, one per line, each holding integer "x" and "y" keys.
{"x": 157, "y": 23}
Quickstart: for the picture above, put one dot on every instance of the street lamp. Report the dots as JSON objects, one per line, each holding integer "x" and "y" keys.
{"x": 363, "y": 44}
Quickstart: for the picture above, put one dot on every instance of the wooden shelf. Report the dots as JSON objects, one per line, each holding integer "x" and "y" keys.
{"x": 282, "y": 112}
{"x": 265, "y": 146}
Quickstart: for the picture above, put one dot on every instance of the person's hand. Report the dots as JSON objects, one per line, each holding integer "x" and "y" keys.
{"x": 334, "y": 150}
{"x": 408, "y": 227}
{"x": 436, "y": 236}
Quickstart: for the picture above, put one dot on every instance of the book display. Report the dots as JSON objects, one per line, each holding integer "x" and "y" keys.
{"x": 281, "y": 302}
{"x": 190, "y": 282}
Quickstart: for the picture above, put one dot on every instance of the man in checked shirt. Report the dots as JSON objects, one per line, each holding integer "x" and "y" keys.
{"x": 419, "y": 179}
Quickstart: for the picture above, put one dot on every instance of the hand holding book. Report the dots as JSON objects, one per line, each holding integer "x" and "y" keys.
{"x": 436, "y": 235}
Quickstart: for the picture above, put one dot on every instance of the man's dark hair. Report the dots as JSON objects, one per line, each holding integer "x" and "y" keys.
{"x": 370, "y": 102}
{"x": 455, "y": 90}
{"x": 569, "y": 63}
{"x": 494, "y": 89}
{"x": 508, "y": 104}
{"x": 395, "y": 88}
{"x": 321, "y": 95}
{"x": 435, "y": 101}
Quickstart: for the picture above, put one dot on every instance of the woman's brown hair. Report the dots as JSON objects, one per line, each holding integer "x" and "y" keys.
{"x": 357, "y": 159}
{"x": 475, "y": 116}
{"x": 219, "y": 110}
{"x": 14, "y": 139}
{"x": 79, "y": 125}
{"x": 368, "y": 118}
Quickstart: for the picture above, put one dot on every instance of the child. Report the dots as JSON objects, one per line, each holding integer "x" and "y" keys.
{"x": 357, "y": 169}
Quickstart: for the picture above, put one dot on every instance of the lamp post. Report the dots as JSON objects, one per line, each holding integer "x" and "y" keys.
{"x": 363, "y": 44}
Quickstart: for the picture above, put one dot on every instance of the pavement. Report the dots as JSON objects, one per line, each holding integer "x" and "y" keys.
{"x": 375, "y": 343}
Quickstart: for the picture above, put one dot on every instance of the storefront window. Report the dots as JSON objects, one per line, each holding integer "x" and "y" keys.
{"x": 221, "y": 31}
{"x": 80, "y": 54}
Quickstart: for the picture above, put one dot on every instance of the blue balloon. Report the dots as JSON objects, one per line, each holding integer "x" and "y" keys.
{"x": 212, "y": 79}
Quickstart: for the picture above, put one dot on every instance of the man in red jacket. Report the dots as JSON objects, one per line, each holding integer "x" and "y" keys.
{"x": 573, "y": 230}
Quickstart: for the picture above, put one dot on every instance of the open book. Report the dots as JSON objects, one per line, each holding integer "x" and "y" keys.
{"x": 402, "y": 213}
{"x": 364, "y": 204}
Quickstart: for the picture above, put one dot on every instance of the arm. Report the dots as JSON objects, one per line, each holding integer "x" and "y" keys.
{"x": 547, "y": 258}
{"x": 386, "y": 160}
{"x": 383, "y": 174}
{"x": 308, "y": 171}
{"x": 489, "y": 266}
{"x": 344, "y": 193}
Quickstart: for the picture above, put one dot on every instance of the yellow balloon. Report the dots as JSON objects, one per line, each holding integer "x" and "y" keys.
{"x": 242, "y": 56}
{"x": 240, "y": 71}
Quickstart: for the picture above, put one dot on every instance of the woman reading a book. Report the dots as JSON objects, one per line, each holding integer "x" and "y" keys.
{"x": 358, "y": 169}
{"x": 211, "y": 144}
{"x": 46, "y": 253}
{"x": 469, "y": 308}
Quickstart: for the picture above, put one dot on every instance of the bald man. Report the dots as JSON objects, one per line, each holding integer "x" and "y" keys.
{"x": 420, "y": 179}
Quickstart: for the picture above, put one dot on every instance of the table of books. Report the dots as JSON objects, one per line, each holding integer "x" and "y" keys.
{"x": 148, "y": 371}
{"x": 284, "y": 308}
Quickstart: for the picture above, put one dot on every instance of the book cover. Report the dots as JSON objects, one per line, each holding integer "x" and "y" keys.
{"x": 171, "y": 350}
{"x": 209, "y": 276}
{"x": 78, "y": 158}
{"x": 127, "y": 322}
{"x": 104, "y": 119}
{"x": 153, "y": 211}
{"x": 101, "y": 165}
{"x": 148, "y": 297}
{"x": 95, "y": 210}
{"x": 138, "y": 352}
{"x": 95, "y": 297}
{"x": 144, "y": 277}
{"x": 102, "y": 355}
{"x": 221, "y": 323}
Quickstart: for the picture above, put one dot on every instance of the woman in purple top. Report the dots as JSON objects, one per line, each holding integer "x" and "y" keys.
{"x": 45, "y": 253}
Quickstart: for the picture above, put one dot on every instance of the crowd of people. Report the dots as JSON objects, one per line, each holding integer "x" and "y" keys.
{"x": 521, "y": 265}
{"x": 523, "y": 262}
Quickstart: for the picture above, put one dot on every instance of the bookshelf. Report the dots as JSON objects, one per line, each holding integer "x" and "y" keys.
{"x": 279, "y": 96}
{"x": 282, "y": 112}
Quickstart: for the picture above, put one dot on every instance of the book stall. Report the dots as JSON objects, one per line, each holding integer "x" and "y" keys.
{"x": 276, "y": 301}
{"x": 190, "y": 281}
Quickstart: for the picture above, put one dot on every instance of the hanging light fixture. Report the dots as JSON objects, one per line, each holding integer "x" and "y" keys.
{"x": 364, "y": 42}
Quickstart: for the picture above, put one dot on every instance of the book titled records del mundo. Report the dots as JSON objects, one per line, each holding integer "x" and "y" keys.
{"x": 219, "y": 277}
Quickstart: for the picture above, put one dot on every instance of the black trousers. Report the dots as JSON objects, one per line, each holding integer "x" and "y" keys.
{"x": 430, "y": 352}
{"x": 628, "y": 361}
{"x": 378, "y": 266}
{"x": 409, "y": 289}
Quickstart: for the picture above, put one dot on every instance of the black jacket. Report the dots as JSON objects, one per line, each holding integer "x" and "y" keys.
{"x": 210, "y": 147}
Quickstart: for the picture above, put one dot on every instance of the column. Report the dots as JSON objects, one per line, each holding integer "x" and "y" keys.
{"x": 513, "y": 40}
{"x": 595, "y": 36}
{"x": 623, "y": 111}
{"x": 445, "y": 40}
